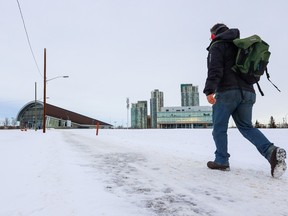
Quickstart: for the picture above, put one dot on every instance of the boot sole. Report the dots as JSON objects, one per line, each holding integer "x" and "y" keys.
{"x": 281, "y": 166}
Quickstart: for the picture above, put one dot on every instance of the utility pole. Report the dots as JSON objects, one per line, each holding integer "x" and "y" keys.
{"x": 44, "y": 97}
{"x": 35, "y": 110}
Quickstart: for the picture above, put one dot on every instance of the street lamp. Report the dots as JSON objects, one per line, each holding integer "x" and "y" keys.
{"x": 56, "y": 78}
{"x": 44, "y": 97}
{"x": 286, "y": 123}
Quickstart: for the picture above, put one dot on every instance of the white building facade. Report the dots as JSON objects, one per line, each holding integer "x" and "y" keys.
{"x": 185, "y": 117}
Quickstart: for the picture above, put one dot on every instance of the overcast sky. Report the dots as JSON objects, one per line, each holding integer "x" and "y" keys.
{"x": 114, "y": 49}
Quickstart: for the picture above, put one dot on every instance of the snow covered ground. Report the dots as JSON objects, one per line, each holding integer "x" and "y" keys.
{"x": 135, "y": 172}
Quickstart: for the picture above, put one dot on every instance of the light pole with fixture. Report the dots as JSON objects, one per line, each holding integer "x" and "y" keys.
{"x": 127, "y": 106}
{"x": 44, "y": 97}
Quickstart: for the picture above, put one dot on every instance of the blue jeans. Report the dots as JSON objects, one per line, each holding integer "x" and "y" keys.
{"x": 232, "y": 103}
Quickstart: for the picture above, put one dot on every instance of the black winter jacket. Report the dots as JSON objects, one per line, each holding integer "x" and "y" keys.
{"x": 221, "y": 58}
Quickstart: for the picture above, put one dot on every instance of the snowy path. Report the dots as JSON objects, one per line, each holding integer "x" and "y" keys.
{"x": 126, "y": 172}
{"x": 176, "y": 184}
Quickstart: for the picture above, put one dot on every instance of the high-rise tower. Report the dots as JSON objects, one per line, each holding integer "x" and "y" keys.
{"x": 189, "y": 95}
{"x": 156, "y": 102}
{"x": 139, "y": 115}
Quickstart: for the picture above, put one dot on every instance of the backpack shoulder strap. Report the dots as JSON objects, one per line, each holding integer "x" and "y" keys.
{"x": 259, "y": 89}
{"x": 268, "y": 77}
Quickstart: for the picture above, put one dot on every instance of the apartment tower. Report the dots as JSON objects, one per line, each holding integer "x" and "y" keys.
{"x": 156, "y": 102}
{"x": 139, "y": 115}
{"x": 189, "y": 95}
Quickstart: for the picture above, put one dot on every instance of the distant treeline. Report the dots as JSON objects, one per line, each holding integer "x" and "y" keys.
{"x": 9, "y": 127}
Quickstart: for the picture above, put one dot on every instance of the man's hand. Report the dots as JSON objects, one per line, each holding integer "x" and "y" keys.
{"x": 211, "y": 99}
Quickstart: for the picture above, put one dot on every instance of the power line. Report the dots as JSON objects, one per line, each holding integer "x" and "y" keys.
{"x": 27, "y": 36}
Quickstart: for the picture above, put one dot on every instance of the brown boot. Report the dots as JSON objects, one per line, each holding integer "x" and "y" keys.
{"x": 213, "y": 165}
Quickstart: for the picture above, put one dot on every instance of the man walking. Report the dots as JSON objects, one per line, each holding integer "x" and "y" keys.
{"x": 232, "y": 96}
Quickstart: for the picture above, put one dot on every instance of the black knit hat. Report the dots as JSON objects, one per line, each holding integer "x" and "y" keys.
{"x": 218, "y": 28}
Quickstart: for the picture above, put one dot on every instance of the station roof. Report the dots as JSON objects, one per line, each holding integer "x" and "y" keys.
{"x": 63, "y": 114}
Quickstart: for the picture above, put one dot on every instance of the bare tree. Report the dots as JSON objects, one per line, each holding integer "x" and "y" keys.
{"x": 13, "y": 122}
{"x": 6, "y": 122}
{"x": 257, "y": 124}
{"x": 272, "y": 123}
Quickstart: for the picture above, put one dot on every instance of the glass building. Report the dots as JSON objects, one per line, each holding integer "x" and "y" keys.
{"x": 139, "y": 115}
{"x": 156, "y": 102}
{"x": 185, "y": 117}
{"x": 189, "y": 95}
{"x": 31, "y": 116}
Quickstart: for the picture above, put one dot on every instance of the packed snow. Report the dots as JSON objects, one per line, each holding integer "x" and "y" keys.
{"x": 135, "y": 173}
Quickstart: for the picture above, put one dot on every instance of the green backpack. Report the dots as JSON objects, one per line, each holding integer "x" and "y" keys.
{"x": 252, "y": 59}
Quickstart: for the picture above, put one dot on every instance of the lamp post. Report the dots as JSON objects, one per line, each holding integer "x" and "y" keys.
{"x": 44, "y": 97}
{"x": 286, "y": 123}
{"x": 35, "y": 110}
{"x": 127, "y": 106}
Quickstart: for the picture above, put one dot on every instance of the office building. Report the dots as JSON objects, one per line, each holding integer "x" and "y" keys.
{"x": 185, "y": 117}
